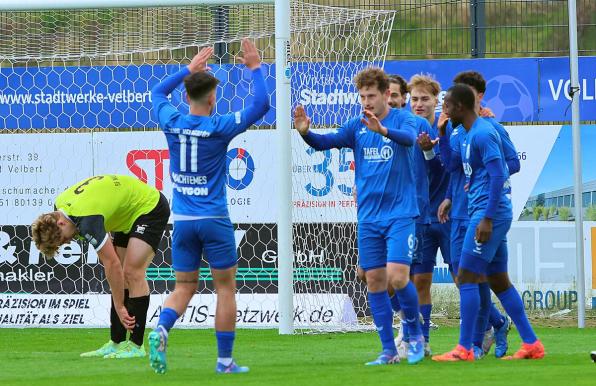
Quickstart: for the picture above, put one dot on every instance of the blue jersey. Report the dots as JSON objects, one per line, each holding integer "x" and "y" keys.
{"x": 421, "y": 173}
{"x": 384, "y": 172}
{"x": 481, "y": 146}
{"x": 509, "y": 150}
{"x": 198, "y": 147}
{"x": 438, "y": 178}
{"x": 459, "y": 198}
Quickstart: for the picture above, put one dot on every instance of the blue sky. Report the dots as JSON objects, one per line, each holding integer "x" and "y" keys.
{"x": 558, "y": 170}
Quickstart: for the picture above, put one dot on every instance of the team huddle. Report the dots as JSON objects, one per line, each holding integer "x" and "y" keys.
{"x": 423, "y": 182}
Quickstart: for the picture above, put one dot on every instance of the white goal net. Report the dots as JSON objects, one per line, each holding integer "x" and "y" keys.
{"x": 75, "y": 102}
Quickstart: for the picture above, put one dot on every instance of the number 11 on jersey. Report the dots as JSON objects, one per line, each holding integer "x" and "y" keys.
{"x": 194, "y": 145}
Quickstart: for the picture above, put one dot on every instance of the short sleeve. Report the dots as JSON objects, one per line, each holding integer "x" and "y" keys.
{"x": 92, "y": 229}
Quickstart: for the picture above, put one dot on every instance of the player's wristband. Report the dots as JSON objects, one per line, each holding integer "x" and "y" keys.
{"x": 429, "y": 154}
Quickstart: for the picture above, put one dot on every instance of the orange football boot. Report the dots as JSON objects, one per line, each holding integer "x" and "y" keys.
{"x": 528, "y": 351}
{"x": 459, "y": 353}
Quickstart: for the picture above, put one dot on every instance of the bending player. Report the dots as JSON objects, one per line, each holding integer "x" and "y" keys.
{"x": 484, "y": 252}
{"x": 198, "y": 144}
{"x": 382, "y": 139}
{"x": 137, "y": 214}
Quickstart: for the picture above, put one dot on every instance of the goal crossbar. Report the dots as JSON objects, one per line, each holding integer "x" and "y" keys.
{"x": 39, "y": 5}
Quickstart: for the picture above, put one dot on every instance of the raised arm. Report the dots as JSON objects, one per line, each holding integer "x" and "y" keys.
{"x": 338, "y": 139}
{"x": 451, "y": 159}
{"x": 404, "y": 135}
{"x": 260, "y": 104}
{"x": 428, "y": 145}
{"x": 246, "y": 117}
{"x": 163, "y": 109}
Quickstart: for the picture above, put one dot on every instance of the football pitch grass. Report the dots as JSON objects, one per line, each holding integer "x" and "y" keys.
{"x": 51, "y": 357}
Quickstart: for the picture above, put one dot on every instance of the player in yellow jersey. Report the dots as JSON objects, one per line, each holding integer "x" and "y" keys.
{"x": 136, "y": 214}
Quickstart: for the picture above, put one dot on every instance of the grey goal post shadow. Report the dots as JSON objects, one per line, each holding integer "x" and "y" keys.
{"x": 282, "y": 117}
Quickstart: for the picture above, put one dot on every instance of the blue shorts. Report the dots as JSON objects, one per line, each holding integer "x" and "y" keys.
{"x": 458, "y": 234}
{"x": 436, "y": 236}
{"x": 493, "y": 252}
{"x": 419, "y": 264}
{"x": 383, "y": 242}
{"x": 213, "y": 237}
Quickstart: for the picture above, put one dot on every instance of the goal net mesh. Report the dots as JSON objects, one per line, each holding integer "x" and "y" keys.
{"x": 75, "y": 102}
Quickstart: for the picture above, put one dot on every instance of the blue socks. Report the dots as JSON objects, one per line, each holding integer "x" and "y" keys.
{"x": 496, "y": 319}
{"x": 469, "y": 295}
{"x": 405, "y": 332}
{"x": 408, "y": 298}
{"x": 483, "y": 312}
{"x": 167, "y": 318}
{"x": 225, "y": 343}
{"x": 425, "y": 310}
{"x": 395, "y": 306}
{"x": 380, "y": 308}
{"x": 514, "y": 307}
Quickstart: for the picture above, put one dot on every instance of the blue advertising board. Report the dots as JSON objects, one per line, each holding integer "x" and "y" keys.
{"x": 518, "y": 90}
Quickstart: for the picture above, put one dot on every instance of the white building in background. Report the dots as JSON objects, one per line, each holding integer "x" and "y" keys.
{"x": 564, "y": 197}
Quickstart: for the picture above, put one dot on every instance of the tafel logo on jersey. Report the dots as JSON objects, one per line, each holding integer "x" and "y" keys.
{"x": 374, "y": 154}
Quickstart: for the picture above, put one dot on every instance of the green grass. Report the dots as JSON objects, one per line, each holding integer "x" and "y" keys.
{"x": 51, "y": 357}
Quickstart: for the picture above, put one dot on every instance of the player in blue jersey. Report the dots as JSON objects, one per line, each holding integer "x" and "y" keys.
{"x": 484, "y": 252}
{"x": 477, "y": 82}
{"x": 198, "y": 145}
{"x": 382, "y": 139}
{"x": 398, "y": 91}
{"x": 424, "y": 92}
{"x": 498, "y": 324}
{"x": 398, "y": 88}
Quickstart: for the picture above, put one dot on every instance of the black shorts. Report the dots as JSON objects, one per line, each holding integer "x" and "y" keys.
{"x": 148, "y": 227}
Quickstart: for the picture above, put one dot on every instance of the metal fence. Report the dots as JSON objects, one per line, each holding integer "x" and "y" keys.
{"x": 483, "y": 28}
{"x": 422, "y": 29}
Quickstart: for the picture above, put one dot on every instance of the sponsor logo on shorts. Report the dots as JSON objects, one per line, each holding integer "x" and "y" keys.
{"x": 478, "y": 247}
{"x": 412, "y": 245}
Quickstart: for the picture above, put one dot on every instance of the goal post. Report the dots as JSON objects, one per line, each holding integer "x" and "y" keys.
{"x": 285, "y": 255}
{"x": 74, "y": 101}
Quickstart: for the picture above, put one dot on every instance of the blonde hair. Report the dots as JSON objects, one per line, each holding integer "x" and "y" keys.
{"x": 46, "y": 234}
{"x": 425, "y": 81}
